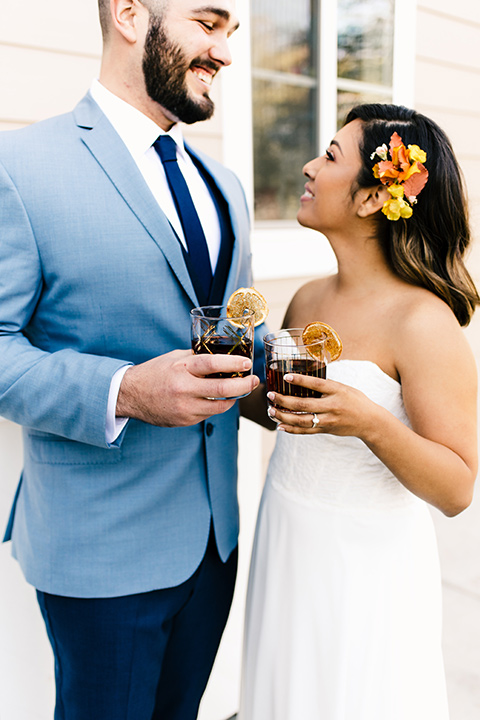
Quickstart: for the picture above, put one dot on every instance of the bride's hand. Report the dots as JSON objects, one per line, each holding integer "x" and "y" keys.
{"x": 342, "y": 410}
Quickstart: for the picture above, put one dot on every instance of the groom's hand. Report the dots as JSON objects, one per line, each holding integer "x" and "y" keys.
{"x": 172, "y": 390}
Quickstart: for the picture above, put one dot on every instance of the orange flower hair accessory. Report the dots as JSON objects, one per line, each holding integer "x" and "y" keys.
{"x": 404, "y": 175}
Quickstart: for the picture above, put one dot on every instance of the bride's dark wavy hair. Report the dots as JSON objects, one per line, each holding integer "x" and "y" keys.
{"x": 428, "y": 248}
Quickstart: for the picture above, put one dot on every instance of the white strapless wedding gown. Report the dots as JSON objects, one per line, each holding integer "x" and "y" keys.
{"x": 344, "y": 601}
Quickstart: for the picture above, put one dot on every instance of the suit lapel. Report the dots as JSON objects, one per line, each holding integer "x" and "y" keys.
{"x": 108, "y": 149}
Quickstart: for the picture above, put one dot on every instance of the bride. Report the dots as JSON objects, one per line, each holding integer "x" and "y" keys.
{"x": 344, "y": 601}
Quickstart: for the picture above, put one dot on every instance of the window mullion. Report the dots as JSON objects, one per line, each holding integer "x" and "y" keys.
{"x": 327, "y": 74}
{"x": 404, "y": 52}
{"x": 236, "y": 98}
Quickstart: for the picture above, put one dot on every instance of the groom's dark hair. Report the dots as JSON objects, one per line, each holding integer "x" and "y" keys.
{"x": 104, "y": 14}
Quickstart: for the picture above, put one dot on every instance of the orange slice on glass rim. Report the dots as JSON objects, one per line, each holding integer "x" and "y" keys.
{"x": 247, "y": 299}
{"x": 316, "y": 331}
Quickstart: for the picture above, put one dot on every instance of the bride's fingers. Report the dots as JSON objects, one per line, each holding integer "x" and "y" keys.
{"x": 296, "y": 404}
{"x": 295, "y": 430}
{"x": 308, "y": 422}
{"x": 309, "y": 381}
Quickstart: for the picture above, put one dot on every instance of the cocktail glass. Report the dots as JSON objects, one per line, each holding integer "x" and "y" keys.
{"x": 216, "y": 333}
{"x": 285, "y": 352}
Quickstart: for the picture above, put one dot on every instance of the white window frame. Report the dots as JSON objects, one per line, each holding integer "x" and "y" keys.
{"x": 299, "y": 251}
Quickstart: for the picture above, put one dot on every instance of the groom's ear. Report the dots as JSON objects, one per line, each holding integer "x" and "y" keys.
{"x": 128, "y": 18}
{"x": 372, "y": 200}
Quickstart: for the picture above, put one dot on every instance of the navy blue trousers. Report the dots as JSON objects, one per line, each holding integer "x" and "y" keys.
{"x": 139, "y": 657}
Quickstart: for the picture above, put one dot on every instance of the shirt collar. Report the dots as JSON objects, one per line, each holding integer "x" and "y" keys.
{"x": 137, "y": 131}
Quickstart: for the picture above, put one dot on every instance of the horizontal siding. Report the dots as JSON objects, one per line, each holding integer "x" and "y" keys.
{"x": 459, "y": 125}
{"x": 447, "y": 82}
{"x": 63, "y": 25}
{"x": 447, "y": 87}
{"x": 458, "y": 11}
{"x": 10, "y": 125}
{"x": 42, "y": 83}
{"x": 449, "y": 41}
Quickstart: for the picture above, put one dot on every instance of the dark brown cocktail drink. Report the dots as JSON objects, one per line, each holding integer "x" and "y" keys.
{"x": 285, "y": 352}
{"x": 224, "y": 345}
{"x": 278, "y": 368}
{"x": 215, "y": 332}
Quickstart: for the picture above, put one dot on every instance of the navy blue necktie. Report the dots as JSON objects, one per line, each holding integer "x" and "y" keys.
{"x": 192, "y": 228}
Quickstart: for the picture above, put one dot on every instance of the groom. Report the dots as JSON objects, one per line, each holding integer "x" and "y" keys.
{"x": 125, "y": 518}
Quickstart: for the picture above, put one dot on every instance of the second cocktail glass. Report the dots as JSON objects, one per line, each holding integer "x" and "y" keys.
{"x": 285, "y": 352}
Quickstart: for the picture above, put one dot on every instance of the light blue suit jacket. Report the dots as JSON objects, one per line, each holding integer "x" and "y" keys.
{"x": 92, "y": 276}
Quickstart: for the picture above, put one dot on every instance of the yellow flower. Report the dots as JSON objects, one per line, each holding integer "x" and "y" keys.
{"x": 391, "y": 208}
{"x": 395, "y": 190}
{"x": 416, "y": 154}
{"x": 395, "y": 208}
{"x": 405, "y": 210}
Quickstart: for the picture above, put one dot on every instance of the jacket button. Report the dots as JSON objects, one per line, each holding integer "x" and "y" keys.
{"x": 209, "y": 429}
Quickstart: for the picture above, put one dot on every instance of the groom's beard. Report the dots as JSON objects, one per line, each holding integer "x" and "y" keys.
{"x": 165, "y": 69}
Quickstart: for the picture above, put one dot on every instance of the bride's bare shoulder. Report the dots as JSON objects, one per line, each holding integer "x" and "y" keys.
{"x": 307, "y": 295}
{"x": 426, "y": 334}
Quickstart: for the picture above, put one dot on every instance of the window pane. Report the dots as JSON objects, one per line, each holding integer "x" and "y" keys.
{"x": 284, "y": 35}
{"x": 365, "y": 40}
{"x": 284, "y": 140}
{"x": 346, "y": 100}
{"x": 284, "y": 60}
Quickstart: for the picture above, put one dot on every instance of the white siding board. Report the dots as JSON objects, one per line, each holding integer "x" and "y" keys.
{"x": 460, "y": 10}
{"x": 447, "y": 41}
{"x": 41, "y": 83}
{"x": 442, "y": 87}
{"x": 58, "y": 25}
{"x": 459, "y": 126}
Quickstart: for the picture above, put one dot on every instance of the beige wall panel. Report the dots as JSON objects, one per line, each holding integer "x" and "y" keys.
{"x": 459, "y": 127}
{"x": 42, "y": 83}
{"x": 471, "y": 170}
{"x": 212, "y": 146}
{"x": 10, "y": 126}
{"x": 473, "y": 266}
{"x": 460, "y": 9}
{"x": 449, "y": 41}
{"x": 58, "y": 24}
{"x": 208, "y": 128}
{"x": 441, "y": 87}
{"x": 475, "y": 222}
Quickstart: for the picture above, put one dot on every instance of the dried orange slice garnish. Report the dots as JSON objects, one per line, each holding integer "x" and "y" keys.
{"x": 316, "y": 331}
{"x": 249, "y": 299}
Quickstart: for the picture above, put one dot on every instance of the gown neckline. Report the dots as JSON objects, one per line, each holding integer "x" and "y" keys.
{"x": 367, "y": 362}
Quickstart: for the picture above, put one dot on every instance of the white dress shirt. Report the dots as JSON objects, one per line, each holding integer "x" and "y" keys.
{"x": 139, "y": 133}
